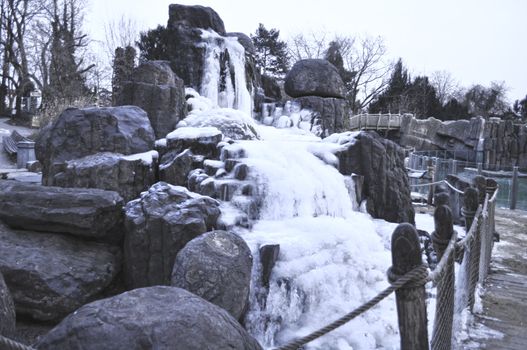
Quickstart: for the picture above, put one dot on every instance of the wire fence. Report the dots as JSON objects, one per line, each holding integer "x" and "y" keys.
{"x": 438, "y": 165}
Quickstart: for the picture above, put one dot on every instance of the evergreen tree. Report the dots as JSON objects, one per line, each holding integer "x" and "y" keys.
{"x": 422, "y": 98}
{"x": 394, "y": 98}
{"x": 271, "y": 52}
{"x": 153, "y": 44}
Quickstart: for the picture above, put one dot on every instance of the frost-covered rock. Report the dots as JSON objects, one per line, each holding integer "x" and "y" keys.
{"x": 81, "y": 132}
{"x": 158, "y": 225}
{"x": 200, "y": 140}
{"x": 232, "y": 123}
{"x": 128, "y": 175}
{"x": 155, "y": 88}
{"x": 7, "y": 310}
{"x": 314, "y": 77}
{"x": 217, "y": 267}
{"x": 175, "y": 167}
{"x": 89, "y": 213}
{"x": 159, "y": 317}
{"x": 51, "y": 275}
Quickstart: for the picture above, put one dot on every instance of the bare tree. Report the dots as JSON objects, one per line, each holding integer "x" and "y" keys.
{"x": 364, "y": 68}
{"x": 119, "y": 33}
{"x": 445, "y": 85}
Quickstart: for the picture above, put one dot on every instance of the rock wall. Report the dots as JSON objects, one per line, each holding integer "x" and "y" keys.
{"x": 495, "y": 142}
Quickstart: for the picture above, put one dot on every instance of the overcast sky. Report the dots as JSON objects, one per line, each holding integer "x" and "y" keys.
{"x": 478, "y": 41}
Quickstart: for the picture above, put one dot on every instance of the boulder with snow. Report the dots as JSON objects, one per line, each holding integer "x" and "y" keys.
{"x": 199, "y": 140}
{"x": 155, "y": 88}
{"x": 217, "y": 267}
{"x": 159, "y": 317}
{"x": 51, "y": 275}
{"x": 81, "y": 132}
{"x": 157, "y": 227}
{"x": 128, "y": 175}
{"x": 88, "y": 213}
{"x": 7, "y": 310}
{"x": 314, "y": 77}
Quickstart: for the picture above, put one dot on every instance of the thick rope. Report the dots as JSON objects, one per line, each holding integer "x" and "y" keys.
{"x": 452, "y": 187}
{"x": 427, "y": 184}
{"x": 8, "y": 344}
{"x": 420, "y": 273}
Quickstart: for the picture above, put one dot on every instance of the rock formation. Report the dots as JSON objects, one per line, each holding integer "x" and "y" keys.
{"x": 81, "y": 132}
{"x": 156, "y": 89}
{"x": 217, "y": 267}
{"x": 381, "y": 163}
{"x": 7, "y": 310}
{"x": 51, "y": 275}
{"x": 158, "y": 225}
{"x": 316, "y": 85}
{"x": 88, "y": 213}
{"x": 157, "y": 317}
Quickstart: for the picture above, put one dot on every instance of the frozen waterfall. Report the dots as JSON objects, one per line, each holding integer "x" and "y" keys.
{"x": 224, "y": 81}
{"x": 332, "y": 258}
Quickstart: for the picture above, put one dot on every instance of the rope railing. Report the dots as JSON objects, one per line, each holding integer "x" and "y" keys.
{"x": 475, "y": 248}
{"x": 408, "y": 275}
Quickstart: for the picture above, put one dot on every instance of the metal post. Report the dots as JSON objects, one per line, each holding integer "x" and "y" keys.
{"x": 411, "y": 301}
{"x": 514, "y": 189}
{"x": 444, "y": 229}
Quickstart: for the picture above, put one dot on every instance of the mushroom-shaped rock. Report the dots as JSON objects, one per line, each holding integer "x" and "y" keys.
{"x": 196, "y": 17}
{"x": 217, "y": 267}
{"x": 159, "y": 317}
{"x": 314, "y": 77}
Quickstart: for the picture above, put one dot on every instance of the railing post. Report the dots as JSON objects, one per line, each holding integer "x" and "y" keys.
{"x": 480, "y": 182}
{"x": 480, "y": 168}
{"x": 470, "y": 206}
{"x": 444, "y": 229}
{"x": 432, "y": 173}
{"x": 514, "y": 189}
{"x": 411, "y": 300}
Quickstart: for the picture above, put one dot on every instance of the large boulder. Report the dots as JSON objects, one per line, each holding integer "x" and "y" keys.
{"x": 175, "y": 167}
{"x": 156, "y": 89}
{"x": 217, "y": 267}
{"x": 89, "y": 213}
{"x": 128, "y": 175}
{"x": 158, "y": 317}
{"x": 7, "y": 310}
{"x": 80, "y": 132}
{"x": 195, "y": 16}
{"x": 51, "y": 275}
{"x": 314, "y": 77}
{"x": 329, "y": 115}
{"x": 381, "y": 163}
{"x": 158, "y": 225}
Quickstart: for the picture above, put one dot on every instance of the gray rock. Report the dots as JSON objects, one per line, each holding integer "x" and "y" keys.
{"x": 314, "y": 77}
{"x": 386, "y": 185}
{"x": 127, "y": 175}
{"x": 245, "y": 41}
{"x": 7, "y": 310}
{"x": 331, "y": 115}
{"x": 51, "y": 275}
{"x": 158, "y": 225}
{"x": 158, "y": 317}
{"x": 272, "y": 90}
{"x": 195, "y": 16}
{"x": 203, "y": 141}
{"x": 90, "y": 213}
{"x": 217, "y": 267}
{"x": 156, "y": 89}
{"x": 175, "y": 167}
{"x": 268, "y": 257}
{"x": 80, "y": 132}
